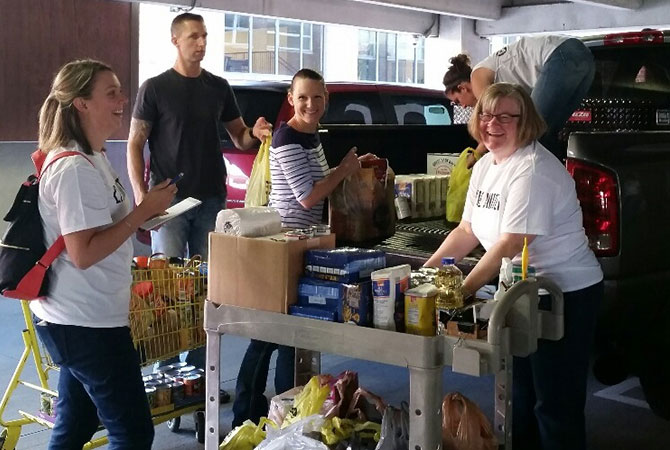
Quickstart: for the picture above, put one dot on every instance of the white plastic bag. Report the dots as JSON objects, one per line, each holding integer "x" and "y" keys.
{"x": 395, "y": 428}
{"x": 293, "y": 437}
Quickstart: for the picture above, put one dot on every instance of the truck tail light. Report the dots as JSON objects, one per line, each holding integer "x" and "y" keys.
{"x": 597, "y": 191}
{"x": 634, "y": 37}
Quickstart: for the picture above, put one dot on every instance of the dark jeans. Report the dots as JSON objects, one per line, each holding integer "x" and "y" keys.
{"x": 100, "y": 381}
{"x": 250, "y": 403}
{"x": 549, "y": 387}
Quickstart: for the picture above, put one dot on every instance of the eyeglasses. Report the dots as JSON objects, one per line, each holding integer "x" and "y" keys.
{"x": 502, "y": 118}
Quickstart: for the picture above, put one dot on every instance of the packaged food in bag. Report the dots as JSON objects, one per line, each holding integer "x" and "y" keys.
{"x": 362, "y": 207}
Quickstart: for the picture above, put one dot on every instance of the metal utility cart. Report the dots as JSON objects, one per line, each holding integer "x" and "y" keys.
{"x": 514, "y": 327}
{"x": 166, "y": 318}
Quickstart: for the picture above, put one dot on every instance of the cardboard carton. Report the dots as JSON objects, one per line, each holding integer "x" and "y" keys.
{"x": 259, "y": 273}
{"x": 441, "y": 163}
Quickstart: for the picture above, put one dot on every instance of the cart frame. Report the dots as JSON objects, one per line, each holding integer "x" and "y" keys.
{"x": 514, "y": 327}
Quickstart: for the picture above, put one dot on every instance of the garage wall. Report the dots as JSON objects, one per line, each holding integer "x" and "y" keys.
{"x": 39, "y": 36}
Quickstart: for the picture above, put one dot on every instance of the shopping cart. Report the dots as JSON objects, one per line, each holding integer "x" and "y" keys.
{"x": 166, "y": 318}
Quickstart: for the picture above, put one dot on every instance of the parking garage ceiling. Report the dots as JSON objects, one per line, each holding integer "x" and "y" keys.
{"x": 491, "y": 17}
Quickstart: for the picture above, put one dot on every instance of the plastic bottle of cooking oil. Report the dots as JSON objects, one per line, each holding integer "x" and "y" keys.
{"x": 449, "y": 281}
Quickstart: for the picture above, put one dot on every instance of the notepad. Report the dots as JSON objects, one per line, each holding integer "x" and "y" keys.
{"x": 170, "y": 213}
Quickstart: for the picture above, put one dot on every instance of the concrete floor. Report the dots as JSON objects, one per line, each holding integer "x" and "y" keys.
{"x": 617, "y": 417}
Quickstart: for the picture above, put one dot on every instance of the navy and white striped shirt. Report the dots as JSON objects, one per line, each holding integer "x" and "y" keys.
{"x": 296, "y": 163}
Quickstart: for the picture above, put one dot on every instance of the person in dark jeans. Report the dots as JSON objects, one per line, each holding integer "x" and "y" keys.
{"x": 178, "y": 113}
{"x": 83, "y": 321}
{"x": 301, "y": 179}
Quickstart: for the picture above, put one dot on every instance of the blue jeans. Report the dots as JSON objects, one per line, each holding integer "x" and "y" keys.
{"x": 564, "y": 80}
{"x": 549, "y": 386}
{"x": 100, "y": 380}
{"x": 187, "y": 235}
{"x": 250, "y": 403}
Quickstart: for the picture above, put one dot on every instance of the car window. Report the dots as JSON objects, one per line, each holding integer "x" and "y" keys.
{"x": 255, "y": 103}
{"x": 636, "y": 73}
{"x": 354, "y": 108}
{"x": 420, "y": 110}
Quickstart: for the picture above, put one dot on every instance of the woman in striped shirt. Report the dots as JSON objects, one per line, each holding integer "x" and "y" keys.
{"x": 301, "y": 180}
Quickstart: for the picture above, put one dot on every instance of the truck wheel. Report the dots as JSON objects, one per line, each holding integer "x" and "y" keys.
{"x": 174, "y": 424}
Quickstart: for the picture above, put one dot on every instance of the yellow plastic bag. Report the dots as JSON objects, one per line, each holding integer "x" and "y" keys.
{"x": 260, "y": 181}
{"x": 245, "y": 437}
{"x": 308, "y": 402}
{"x": 458, "y": 186}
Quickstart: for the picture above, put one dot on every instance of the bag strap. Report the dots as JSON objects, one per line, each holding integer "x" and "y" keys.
{"x": 31, "y": 283}
{"x": 39, "y": 157}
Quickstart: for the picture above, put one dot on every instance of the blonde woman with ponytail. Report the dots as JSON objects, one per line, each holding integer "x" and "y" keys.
{"x": 83, "y": 322}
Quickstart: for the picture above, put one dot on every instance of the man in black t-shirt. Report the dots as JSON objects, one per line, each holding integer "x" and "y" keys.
{"x": 178, "y": 112}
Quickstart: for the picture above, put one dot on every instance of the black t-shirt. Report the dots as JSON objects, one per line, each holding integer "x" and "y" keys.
{"x": 184, "y": 113}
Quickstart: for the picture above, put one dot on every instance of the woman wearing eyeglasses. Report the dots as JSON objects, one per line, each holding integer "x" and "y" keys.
{"x": 519, "y": 190}
{"x": 556, "y": 71}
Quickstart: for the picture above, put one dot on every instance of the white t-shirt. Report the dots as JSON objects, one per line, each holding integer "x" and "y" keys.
{"x": 74, "y": 196}
{"x": 521, "y": 62}
{"x": 532, "y": 193}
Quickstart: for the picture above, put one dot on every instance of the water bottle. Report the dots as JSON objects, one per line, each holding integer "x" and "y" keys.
{"x": 449, "y": 282}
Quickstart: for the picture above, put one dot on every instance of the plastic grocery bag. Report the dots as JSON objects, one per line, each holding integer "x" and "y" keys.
{"x": 309, "y": 401}
{"x": 260, "y": 182}
{"x": 459, "y": 180}
{"x": 296, "y": 436}
{"x": 464, "y": 426}
{"x": 281, "y": 404}
{"x": 245, "y": 437}
{"x": 395, "y": 428}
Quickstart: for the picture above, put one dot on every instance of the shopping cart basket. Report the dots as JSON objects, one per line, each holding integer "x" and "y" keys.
{"x": 166, "y": 318}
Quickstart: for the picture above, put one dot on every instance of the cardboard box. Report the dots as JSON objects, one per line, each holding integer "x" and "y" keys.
{"x": 441, "y": 163}
{"x": 259, "y": 273}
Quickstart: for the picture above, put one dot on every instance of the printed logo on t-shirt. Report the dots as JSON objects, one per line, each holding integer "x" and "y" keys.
{"x": 502, "y": 51}
{"x": 119, "y": 192}
{"x": 487, "y": 200}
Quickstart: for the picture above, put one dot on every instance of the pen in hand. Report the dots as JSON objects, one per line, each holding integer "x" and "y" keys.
{"x": 178, "y": 177}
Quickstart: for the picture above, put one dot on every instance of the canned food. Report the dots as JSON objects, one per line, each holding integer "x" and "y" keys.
{"x": 193, "y": 385}
{"x": 177, "y": 391}
{"x": 296, "y": 235}
{"x": 163, "y": 394}
{"x": 186, "y": 369}
{"x": 153, "y": 383}
{"x": 153, "y": 376}
{"x": 151, "y": 396}
{"x": 172, "y": 374}
{"x": 164, "y": 369}
{"x": 321, "y": 230}
{"x": 428, "y": 270}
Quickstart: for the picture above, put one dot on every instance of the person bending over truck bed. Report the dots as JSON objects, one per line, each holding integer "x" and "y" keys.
{"x": 301, "y": 180}
{"x": 556, "y": 71}
{"x": 518, "y": 190}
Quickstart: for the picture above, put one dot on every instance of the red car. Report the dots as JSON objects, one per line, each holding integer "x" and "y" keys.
{"x": 349, "y": 103}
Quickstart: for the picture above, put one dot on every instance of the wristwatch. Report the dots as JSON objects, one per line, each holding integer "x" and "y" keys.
{"x": 251, "y": 134}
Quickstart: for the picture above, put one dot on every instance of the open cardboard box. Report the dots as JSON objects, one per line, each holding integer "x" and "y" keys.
{"x": 259, "y": 273}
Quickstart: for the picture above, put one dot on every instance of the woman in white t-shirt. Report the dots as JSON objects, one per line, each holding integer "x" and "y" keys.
{"x": 519, "y": 190}
{"x": 83, "y": 321}
{"x": 556, "y": 71}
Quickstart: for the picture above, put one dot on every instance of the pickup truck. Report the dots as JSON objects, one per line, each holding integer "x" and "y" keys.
{"x": 618, "y": 152}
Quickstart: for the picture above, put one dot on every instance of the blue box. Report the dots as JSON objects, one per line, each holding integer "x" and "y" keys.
{"x": 312, "y": 313}
{"x": 346, "y": 265}
{"x": 352, "y": 302}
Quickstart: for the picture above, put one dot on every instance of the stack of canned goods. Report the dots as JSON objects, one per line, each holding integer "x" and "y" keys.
{"x": 307, "y": 233}
{"x": 175, "y": 383}
{"x": 422, "y": 276}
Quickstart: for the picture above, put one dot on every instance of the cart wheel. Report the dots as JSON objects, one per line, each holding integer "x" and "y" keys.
{"x": 199, "y": 419}
{"x": 173, "y": 424}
